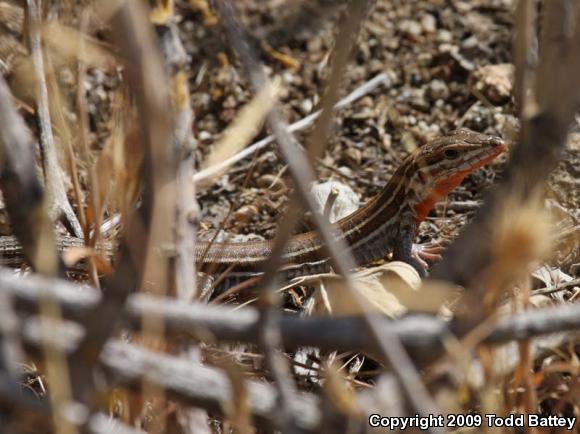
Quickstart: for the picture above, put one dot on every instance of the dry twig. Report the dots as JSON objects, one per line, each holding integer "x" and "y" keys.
{"x": 60, "y": 206}
{"x": 364, "y": 89}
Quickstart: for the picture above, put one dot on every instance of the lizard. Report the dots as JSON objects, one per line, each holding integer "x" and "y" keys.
{"x": 387, "y": 224}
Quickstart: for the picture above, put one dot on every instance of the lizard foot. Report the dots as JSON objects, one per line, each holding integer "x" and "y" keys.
{"x": 426, "y": 252}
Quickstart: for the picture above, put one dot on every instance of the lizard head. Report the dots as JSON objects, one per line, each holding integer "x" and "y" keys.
{"x": 441, "y": 165}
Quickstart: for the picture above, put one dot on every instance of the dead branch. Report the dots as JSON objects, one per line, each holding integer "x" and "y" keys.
{"x": 186, "y": 207}
{"x": 200, "y": 386}
{"x": 10, "y": 353}
{"x": 30, "y": 411}
{"x": 175, "y": 58}
{"x": 421, "y": 334}
{"x": 210, "y": 388}
{"x": 32, "y": 226}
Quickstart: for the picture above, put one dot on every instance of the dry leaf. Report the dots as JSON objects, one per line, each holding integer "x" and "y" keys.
{"x": 374, "y": 288}
{"x": 377, "y": 296}
{"x": 551, "y": 276}
{"x": 333, "y": 298}
{"x": 162, "y": 12}
{"x": 209, "y": 19}
{"x": 391, "y": 289}
{"x": 345, "y": 203}
{"x": 285, "y": 59}
{"x": 396, "y": 271}
{"x": 404, "y": 283}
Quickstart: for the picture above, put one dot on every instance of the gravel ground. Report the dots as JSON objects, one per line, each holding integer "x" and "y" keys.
{"x": 447, "y": 64}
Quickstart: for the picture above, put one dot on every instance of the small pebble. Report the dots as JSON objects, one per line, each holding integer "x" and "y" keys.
{"x": 245, "y": 214}
{"x": 411, "y": 28}
{"x": 437, "y": 89}
{"x": 314, "y": 45}
{"x": 429, "y": 23}
{"x": 424, "y": 59}
{"x": 387, "y": 142}
{"x": 444, "y": 36}
{"x": 369, "y": 153}
{"x": 353, "y": 157}
{"x": 306, "y": 106}
{"x": 495, "y": 82}
{"x": 469, "y": 43}
{"x": 366, "y": 101}
{"x": 288, "y": 77}
{"x": 205, "y": 135}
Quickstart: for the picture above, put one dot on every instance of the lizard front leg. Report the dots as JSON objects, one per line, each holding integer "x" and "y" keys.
{"x": 403, "y": 251}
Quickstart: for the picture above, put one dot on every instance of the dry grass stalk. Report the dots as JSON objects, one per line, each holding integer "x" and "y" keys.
{"x": 60, "y": 206}
{"x": 158, "y": 169}
{"x": 238, "y": 409}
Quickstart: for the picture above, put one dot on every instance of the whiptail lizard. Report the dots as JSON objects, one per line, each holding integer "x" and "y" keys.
{"x": 386, "y": 224}
{"x": 389, "y": 222}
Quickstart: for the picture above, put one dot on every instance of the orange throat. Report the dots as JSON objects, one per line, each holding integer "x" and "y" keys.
{"x": 440, "y": 191}
{"x": 445, "y": 186}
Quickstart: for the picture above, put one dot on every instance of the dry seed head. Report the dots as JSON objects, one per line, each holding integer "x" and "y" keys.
{"x": 521, "y": 232}
{"x": 340, "y": 392}
{"x": 520, "y": 235}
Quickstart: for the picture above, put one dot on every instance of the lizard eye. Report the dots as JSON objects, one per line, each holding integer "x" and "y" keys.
{"x": 451, "y": 154}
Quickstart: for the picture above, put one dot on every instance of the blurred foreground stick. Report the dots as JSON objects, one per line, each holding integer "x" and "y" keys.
{"x": 145, "y": 228}
{"x": 547, "y": 110}
{"x": 21, "y": 188}
{"x": 210, "y": 388}
{"x": 422, "y": 335}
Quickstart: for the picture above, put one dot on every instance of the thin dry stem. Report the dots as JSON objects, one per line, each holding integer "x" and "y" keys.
{"x": 52, "y": 171}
